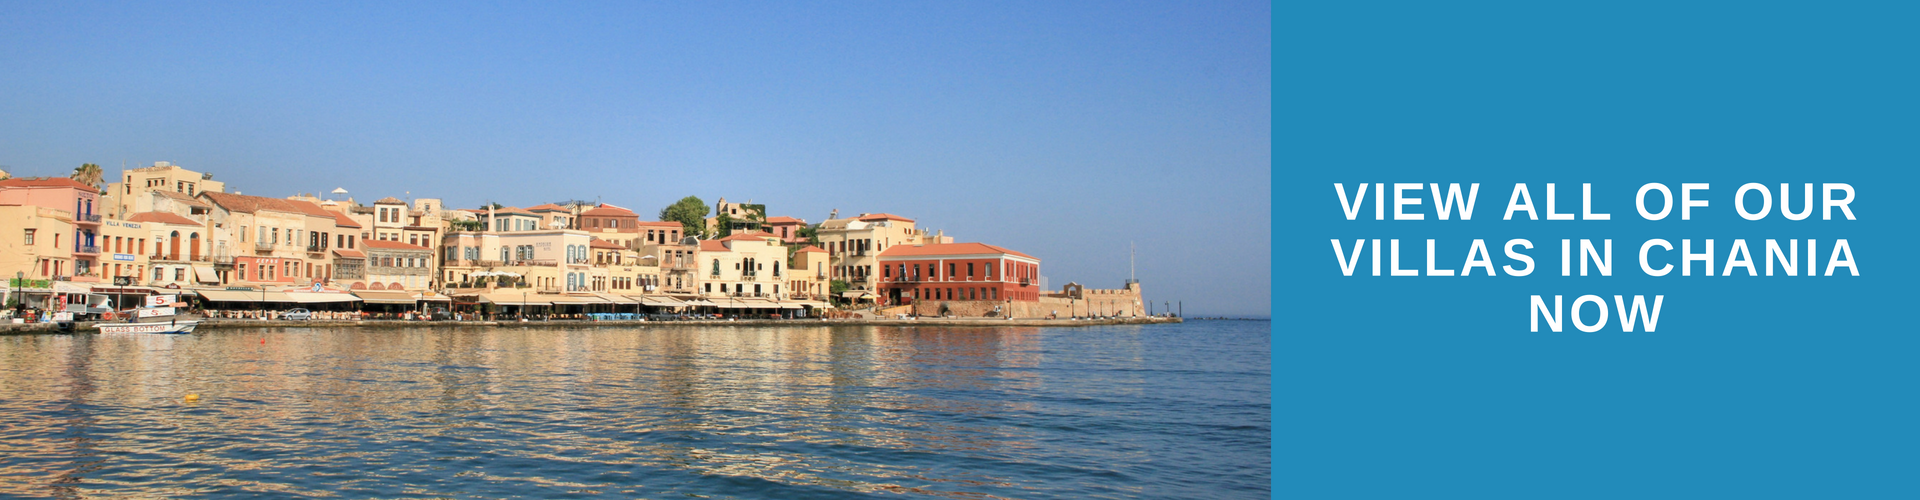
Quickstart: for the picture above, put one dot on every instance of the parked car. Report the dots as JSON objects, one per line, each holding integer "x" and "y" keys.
{"x": 439, "y": 314}
{"x": 297, "y": 314}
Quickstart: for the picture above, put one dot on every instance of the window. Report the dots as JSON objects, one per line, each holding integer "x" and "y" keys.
{"x": 949, "y": 269}
{"x": 29, "y": 236}
{"x": 989, "y": 269}
{"x": 995, "y": 292}
{"x": 709, "y": 288}
{"x": 969, "y": 269}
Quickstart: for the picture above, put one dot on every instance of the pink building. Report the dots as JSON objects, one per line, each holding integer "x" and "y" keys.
{"x": 61, "y": 193}
{"x": 787, "y": 228}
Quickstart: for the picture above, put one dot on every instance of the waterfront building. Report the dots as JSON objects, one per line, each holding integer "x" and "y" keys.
{"x": 807, "y": 274}
{"x": 747, "y": 273}
{"x": 273, "y": 241}
{"x": 552, "y": 260}
{"x": 965, "y": 279}
{"x": 37, "y": 242}
{"x": 123, "y": 254}
{"x": 349, "y": 268}
{"x": 854, "y": 243}
{"x": 396, "y": 265}
{"x": 673, "y": 253}
{"x": 627, "y": 271}
{"x": 133, "y": 193}
{"x": 613, "y": 224}
{"x": 181, "y": 251}
{"x": 77, "y": 201}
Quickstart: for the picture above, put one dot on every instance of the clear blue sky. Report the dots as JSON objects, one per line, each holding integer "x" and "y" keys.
{"x": 1066, "y": 130}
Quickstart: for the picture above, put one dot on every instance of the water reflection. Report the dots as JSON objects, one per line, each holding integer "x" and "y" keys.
{"x": 730, "y": 412}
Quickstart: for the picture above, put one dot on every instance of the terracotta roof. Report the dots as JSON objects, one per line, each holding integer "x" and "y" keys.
{"x": 348, "y": 253}
{"x": 713, "y": 246}
{"x": 392, "y": 245}
{"x": 252, "y": 204}
{"x": 546, "y": 207}
{"x": 600, "y": 243}
{"x": 162, "y": 217}
{"x": 609, "y": 211}
{"x": 752, "y": 236}
{"x": 510, "y": 211}
{"x": 389, "y": 201}
{"x": 184, "y": 198}
{"x": 650, "y": 223}
{"x": 880, "y": 217}
{"x": 811, "y": 248}
{"x": 342, "y": 220}
{"x": 784, "y": 220}
{"x": 948, "y": 249}
{"x": 47, "y": 182}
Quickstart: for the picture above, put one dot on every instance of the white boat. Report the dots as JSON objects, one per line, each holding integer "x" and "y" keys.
{"x": 159, "y": 316}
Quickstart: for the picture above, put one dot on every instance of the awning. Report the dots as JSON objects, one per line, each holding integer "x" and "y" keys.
{"x": 374, "y": 297}
{"x": 562, "y": 300}
{"x": 431, "y": 297}
{"x": 320, "y": 298}
{"x": 515, "y": 299}
{"x": 617, "y": 298}
{"x": 243, "y": 296}
{"x": 701, "y": 302}
{"x": 662, "y": 302}
{"x": 205, "y": 274}
{"x": 857, "y": 294}
{"x": 753, "y": 304}
{"x": 791, "y": 305}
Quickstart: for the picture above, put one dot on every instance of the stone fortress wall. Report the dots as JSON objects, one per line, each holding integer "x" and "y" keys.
{"x": 1071, "y": 300}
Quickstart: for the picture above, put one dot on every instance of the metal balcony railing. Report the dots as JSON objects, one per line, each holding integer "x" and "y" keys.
{"x": 88, "y": 249}
{"x": 749, "y": 277}
{"x": 315, "y": 249}
{"x": 94, "y": 218}
{"x": 262, "y": 246}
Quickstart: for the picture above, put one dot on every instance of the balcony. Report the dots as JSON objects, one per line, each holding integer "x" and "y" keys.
{"x": 1026, "y": 281}
{"x": 316, "y": 249}
{"x": 749, "y": 277}
{"x": 262, "y": 246}
{"x": 87, "y": 218}
{"x": 679, "y": 265}
{"x": 858, "y": 279}
{"x": 86, "y": 249}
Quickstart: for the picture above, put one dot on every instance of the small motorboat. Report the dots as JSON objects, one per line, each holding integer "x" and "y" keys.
{"x": 171, "y": 326}
{"x": 159, "y": 316}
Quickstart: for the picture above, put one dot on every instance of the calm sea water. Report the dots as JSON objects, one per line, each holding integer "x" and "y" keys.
{"x": 1168, "y": 411}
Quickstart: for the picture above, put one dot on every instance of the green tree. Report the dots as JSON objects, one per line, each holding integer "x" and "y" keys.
{"x": 726, "y": 225}
{"x": 690, "y": 212}
{"x": 811, "y": 233}
{"x": 88, "y": 174}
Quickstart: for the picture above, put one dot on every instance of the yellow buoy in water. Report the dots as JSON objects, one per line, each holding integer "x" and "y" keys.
{"x": 193, "y": 398}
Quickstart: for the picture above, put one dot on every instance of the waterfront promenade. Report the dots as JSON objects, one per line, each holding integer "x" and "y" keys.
{"x": 217, "y": 324}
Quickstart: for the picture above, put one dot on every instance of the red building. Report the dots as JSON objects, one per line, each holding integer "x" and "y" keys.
{"x": 957, "y": 272}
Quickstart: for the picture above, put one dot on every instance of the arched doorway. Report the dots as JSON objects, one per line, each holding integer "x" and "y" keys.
{"x": 173, "y": 246}
{"x": 193, "y": 246}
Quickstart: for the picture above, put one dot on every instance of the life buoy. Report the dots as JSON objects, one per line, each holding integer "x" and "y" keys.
{"x": 107, "y": 315}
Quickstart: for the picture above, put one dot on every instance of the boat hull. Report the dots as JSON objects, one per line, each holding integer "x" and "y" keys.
{"x": 163, "y": 327}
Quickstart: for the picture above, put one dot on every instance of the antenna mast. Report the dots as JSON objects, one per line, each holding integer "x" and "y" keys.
{"x": 1130, "y": 258}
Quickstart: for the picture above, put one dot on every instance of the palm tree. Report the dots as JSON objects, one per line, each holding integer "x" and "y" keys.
{"x": 88, "y": 174}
